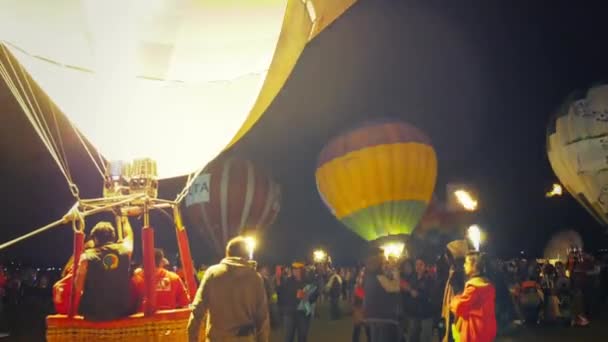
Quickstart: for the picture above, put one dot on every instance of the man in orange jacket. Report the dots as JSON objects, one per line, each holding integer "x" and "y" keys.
{"x": 170, "y": 290}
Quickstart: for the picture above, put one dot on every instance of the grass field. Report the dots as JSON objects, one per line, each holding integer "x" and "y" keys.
{"x": 324, "y": 330}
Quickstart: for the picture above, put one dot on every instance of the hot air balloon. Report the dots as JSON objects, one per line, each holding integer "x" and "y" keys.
{"x": 438, "y": 227}
{"x": 378, "y": 178}
{"x": 561, "y": 244}
{"x": 449, "y": 220}
{"x": 144, "y": 79}
{"x": 165, "y": 84}
{"x": 231, "y": 197}
{"x": 577, "y": 147}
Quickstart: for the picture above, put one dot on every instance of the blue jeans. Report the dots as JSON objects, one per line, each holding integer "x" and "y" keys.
{"x": 296, "y": 324}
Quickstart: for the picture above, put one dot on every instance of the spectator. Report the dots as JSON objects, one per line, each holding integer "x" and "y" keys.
{"x": 232, "y": 298}
{"x": 475, "y": 307}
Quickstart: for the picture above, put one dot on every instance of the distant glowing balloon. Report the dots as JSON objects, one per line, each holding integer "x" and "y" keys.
{"x": 577, "y": 147}
{"x": 561, "y": 243}
{"x": 445, "y": 222}
{"x": 378, "y": 178}
{"x": 439, "y": 225}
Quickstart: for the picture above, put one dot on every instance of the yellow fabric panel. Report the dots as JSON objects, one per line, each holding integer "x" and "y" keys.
{"x": 327, "y": 11}
{"x": 296, "y": 32}
{"x": 378, "y": 174}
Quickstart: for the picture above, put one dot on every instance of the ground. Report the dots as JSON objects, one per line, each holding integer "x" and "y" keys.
{"x": 325, "y": 330}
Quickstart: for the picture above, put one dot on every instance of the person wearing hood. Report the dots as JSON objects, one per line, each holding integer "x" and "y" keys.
{"x": 334, "y": 289}
{"x": 475, "y": 307}
{"x": 232, "y": 300}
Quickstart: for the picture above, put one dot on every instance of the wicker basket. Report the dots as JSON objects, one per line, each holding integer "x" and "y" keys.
{"x": 169, "y": 325}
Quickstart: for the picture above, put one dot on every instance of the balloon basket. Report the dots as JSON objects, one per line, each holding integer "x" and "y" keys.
{"x": 168, "y": 325}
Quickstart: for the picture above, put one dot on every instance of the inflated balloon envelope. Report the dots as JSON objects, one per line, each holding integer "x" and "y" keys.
{"x": 232, "y": 197}
{"x": 378, "y": 178}
{"x": 577, "y": 147}
{"x": 175, "y": 81}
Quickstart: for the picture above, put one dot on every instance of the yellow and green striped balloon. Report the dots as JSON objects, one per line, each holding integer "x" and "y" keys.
{"x": 378, "y": 178}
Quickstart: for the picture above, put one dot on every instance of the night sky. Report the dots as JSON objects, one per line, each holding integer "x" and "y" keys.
{"x": 481, "y": 80}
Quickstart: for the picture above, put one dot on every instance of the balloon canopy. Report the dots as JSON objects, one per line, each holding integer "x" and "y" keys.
{"x": 450, "y": 219}
{"x": 231, "y": 197}
{"x": 561, "y": 243}
{"x": 144, "y": 79}
{"x": 577, "y": 147}
{"x": 378, "y": 178}
{"x": 437, "y": 221}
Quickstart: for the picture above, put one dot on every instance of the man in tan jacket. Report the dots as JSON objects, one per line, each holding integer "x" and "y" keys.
{"x": 232, "y": 300}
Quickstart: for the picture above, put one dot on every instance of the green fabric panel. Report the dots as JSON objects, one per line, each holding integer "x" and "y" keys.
{"x": 395, "y": 217}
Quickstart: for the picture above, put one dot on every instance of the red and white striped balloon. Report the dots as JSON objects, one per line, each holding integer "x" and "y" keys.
{"x": 231, "y": 197}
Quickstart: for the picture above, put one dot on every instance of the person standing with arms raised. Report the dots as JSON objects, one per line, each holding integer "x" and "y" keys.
{"x": 103, "y": 274}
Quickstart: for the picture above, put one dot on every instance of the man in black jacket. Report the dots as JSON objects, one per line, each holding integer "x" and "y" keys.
{"x": 103, "y": 274}
{"x": 297, "y": 294}
{"x": 420, "y": 290}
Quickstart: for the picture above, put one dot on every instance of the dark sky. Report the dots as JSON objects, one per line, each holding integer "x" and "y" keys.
{"x": 481, "y": 80}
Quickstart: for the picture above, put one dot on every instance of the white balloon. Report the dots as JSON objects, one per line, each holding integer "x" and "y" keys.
{"x": 577, "y": 147}
{"x": 172, "y": 80}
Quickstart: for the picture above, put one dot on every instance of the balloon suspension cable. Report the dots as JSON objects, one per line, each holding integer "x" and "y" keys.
{"x": 19, "y": 84}
{"x": 31, "y": 234}
{"x": 101, "y": 169}
{"x": 77, "y": 217}
{"x": 191, "y": 178}
{"x": 166, "y": 214}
